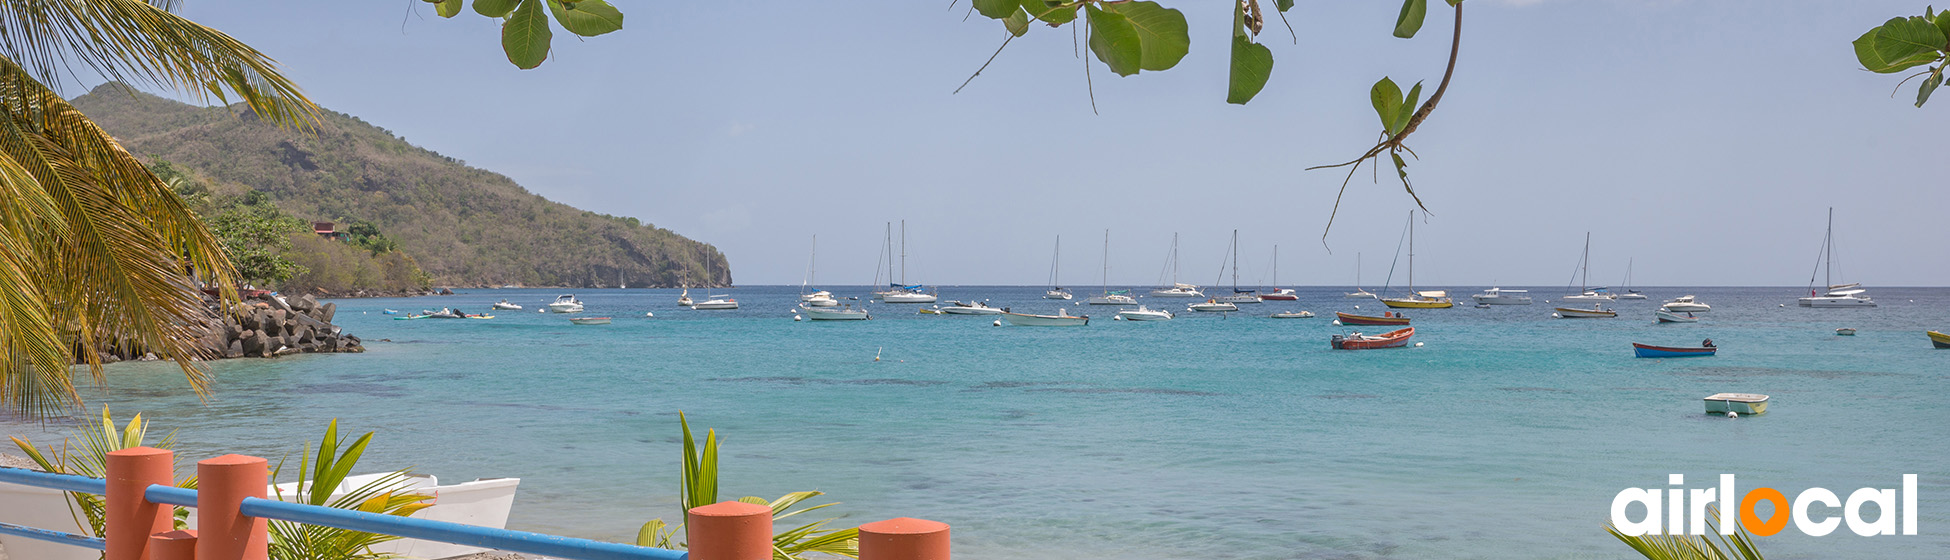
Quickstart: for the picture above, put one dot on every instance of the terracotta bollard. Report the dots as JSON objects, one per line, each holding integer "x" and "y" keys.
{"x": 731, "y": 531}
{"x": 129, "y": 518}
{"x": 904, "y": 538}
{"x": 173, "y": 545}
{"x": 223, "y": 533}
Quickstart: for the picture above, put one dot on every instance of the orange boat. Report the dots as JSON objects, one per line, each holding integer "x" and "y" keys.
{"x": 1387, "y": 318}
{"x": 1357, "y": 341}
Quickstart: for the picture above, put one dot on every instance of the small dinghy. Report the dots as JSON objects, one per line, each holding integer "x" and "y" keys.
{"x": 1939, "y": 339}
{"x": 1649, "y": 351}
{"x": 1671, "y": 317}
{"x": 589, "y": 320}
{"x": 507, "y": 305}
{"x": 1357, "y": 341}
{"x": 1736, "y": 403}
{"x": 1387, "y": 318}
{"x": 1293, "y": 315}
{"x": 1845, "y": 331}
{"x": 1062, "y": 318}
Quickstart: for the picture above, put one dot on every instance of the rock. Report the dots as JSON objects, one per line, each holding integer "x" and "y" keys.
{"x": 446, "y": 291}
{"x": 326, "y": 311}
{"x": 305, "y": 303}
{"x": 108, "y": 357}
{"x": 256, "y": 344}
{"x": 286, "y": 351}
{"x": 235, "y": 350}
{"x": 148, "y": 357}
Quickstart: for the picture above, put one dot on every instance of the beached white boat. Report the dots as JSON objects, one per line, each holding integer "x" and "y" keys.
{"x": 1144, "y": 314}
{"x": 1293, "y": 315}
{"x": 1500, "y": 296}
{"x": 1597, "y": 311}
{"x": 1177, "y": 289}
{"x": 1056, "y": 290}
{"x": 1838, "y": 295}
{"x": 505, "y": 304}
{"x": 1213, "y": 306}
{"x": 1738, "y": 403}
{"x": 482, "y": 502}
{"x": 847, "y": 313}
{"x": 1686, "y": 304}
{"x": 1062, "y": 318}
{"x": 1666, "y": 316}
{"x": 566, "y": 303}
{"x": 969, "y": 308}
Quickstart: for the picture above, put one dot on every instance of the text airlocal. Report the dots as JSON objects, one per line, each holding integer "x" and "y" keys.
{"x": 1685, "y": 510}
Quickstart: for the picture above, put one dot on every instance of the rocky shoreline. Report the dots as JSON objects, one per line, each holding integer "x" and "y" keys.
{"x": 267, "y": 325}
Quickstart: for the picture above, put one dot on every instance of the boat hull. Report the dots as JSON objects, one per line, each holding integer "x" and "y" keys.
{"x": 1837, "y": 302}
{"x": 1687, "y": 307}
{"x": 1349, "y": 319}
{"x": 818, "y": 314}
{"x": 1670, "y": 317}
{"x": 1053, "y": 294}
{"x": 590, "y": 320}
{"x": 1502, "y": 300}
{"x": 1392, "y": 339}
{"x": 1292, "y": 315}
{"x": 1027, "y": 320}
{"x": 1939, "y": 340}
{"x": 1239, "y": 299}
{"x": 716, "y": 304}
{"x": 1739, "y": 403}
{"x": 565, "y": 308}
{"x": 1283, "y": 294}
{"x": 1144, "y": 315}
{"x": 908, "y": 298}
{"x": 1569, "y": 313}
{"x": 970, "y": 311}
{"x": 1586, "y": 297}
{"x": 1213, "y": 307}
{"x": 1418, "y": 303}
{"x": 1177, "y": 293}
{"x": 1113, "y": 300}
{"x": 1650, "y": 351}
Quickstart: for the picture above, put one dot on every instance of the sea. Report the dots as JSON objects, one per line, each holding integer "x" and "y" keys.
{"x": 1503, "y": 433}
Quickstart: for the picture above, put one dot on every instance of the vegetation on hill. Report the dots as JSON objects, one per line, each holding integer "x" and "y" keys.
{"x": 464, "y": 226}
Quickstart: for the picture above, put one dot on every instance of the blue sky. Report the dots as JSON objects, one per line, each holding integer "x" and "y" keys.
{"x": 1704, "y": 139}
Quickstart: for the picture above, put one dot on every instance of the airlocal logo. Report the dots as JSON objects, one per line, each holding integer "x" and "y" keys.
{"x": 1686, "y": 510}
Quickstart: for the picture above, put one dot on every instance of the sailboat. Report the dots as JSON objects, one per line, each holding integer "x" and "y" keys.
{"x": 820, "y": 298}
{"x": 684, "y": 299}
{"x": 1120, "y": 297}
{"x": 903, "y": 292}
{"x": 1360, "y": 292}
{"x": 1278, "y": 293}
{"x": 714, "y": 301}
{"x": 1238, "y": 295}
{"x": 1432, "y": 299}
{"x": 1584, "y": 276}
{"x": 1177, "y": 289}
{"x": 1056, "y": 290}
{"x": 1839, "y": 295}
{"x": 1629, "y": 292}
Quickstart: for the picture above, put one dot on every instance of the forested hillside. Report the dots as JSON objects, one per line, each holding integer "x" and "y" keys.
{"x": 465, "y": 226}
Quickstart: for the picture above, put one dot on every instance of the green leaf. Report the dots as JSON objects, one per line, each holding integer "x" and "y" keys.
{"x": 1401, "y": 167}
{"x": 525, "y": 35}
{"x": 1943, "y": 22}
{"x": 1162, "y": 35}
{"x": 997, "y": 9}
{"x": 1252, "y": 64}
{"x": 1115, "y": 42}
{"x": 1898, "y": 44}
{"x": 1283, "y": 5}
{"x": 447, "y": 8}
{"x": 1930, "y": 83}
{"x": 1053, "y": 13}
{"x": 1407, "y": 111}
{"x": 495, "y": 8}
{"x": 1017, "y": 23}
{"x": 1410, "y": 20}
{"x": 1387, "y": 100}
{"x": 587, "y": 18}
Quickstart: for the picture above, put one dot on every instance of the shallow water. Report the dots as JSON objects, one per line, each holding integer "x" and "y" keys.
{"x": 1505, "y": 436}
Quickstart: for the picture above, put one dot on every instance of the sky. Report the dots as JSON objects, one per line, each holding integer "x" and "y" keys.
{"x": 1701, "y": 141}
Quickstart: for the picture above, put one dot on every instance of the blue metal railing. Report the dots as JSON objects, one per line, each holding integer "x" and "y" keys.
{"x": 567, "y": 548}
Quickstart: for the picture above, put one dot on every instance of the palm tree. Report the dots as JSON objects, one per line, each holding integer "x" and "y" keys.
{"x": 95, "y": 251}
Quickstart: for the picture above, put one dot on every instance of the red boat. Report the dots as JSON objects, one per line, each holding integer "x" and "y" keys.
{"x": 1280, "y": 294}
{"x": 1357, "y": 341}
{"x": 1387, "y": 318}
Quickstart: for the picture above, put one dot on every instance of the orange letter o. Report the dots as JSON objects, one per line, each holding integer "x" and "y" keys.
{"x": 1773, "y": 524}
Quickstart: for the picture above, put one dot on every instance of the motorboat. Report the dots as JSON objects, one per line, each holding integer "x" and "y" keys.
{"x": 1357, "y": 341}
{"x": 1144, "y": 314}
{"x": 1179, "y": 290}
{"x": 847, "y": 313}
{"x": 969, "y": 308}
{"x": 820, "y": 298}
{"x": 1650, "y": 351}
{"x": 1056, "y": 290}
{"x": 566, "y": 303}
{"x": 1387, "y": 318}
{"x": 1120, "y": 297}
{"x": 1685, "y": 304}
{"x": 1736, "y": 403}
{"x": 1838, "y": 295}
{"x": 1845, "y": 331}
{"x": 1062, "y": 318}
{"x": 1597, "y": 311}
{"x": 1500, "y": 296}
{"x": 505, "y": 304}
{"x": 1246, "y": 296}
{"x": 1666, "y": 316}
{"x": 1430, "y": 299}
{"x": 716, "y": 302}
{"x": 589, "y": 320}
{"x": 1213, "y": 306}
{"x": 1302, "y": 314}
{"x": 1938, "y": 339}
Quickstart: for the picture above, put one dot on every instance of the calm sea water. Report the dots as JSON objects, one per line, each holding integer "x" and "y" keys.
{"x": 1505, "y": 436}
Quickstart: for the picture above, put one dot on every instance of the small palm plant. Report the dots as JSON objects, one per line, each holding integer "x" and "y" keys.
{"x": 700, "y": 487}
{"x": 89, "y": 458}
{"x": 1738, "y": 546}
{"x": 319, "y": 478}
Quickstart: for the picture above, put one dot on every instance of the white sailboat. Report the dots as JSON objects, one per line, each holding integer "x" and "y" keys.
{"x": 1584, "y": 276}
{"x": 1056, "y": 290}
{"x": 1360, "y": 292}
{"x": 1238, "y": 295}
{"x": 1428, "y": 299}
{"x": 821, "y": 298}
{"x": 1839, "y": 295}
{"x": 1177, "y": 289}
{"x": 1120, "y": 297}
{"x": 1629, "y": 292}
{"x": 1279, "y": 293}
{"x": 903, "y": 292}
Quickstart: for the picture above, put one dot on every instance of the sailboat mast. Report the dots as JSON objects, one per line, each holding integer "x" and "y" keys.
{"x": 1357, "y": 272}
{"x": 1276, "y": 266}
{"x": 1411, "y": 253}
{"x": 888, "y": 244}
{"x": 1584, "y": 265}
{"x": 1235, "y": 261}
{"x": 1056, "y": 264}
{"x": 1106, "y": 262}
{"x": 903, "y": 252}
{"x": 1174, "y": 259}
{"x": 1828, "y": 265}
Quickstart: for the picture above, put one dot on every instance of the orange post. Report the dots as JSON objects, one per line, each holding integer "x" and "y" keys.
{"x": 904, "y": 538}
{"x": 173, "y": 545}
{"x": 731, "y": 531}
{"x": 129, "y": 518}
{"x": 223, "y": 533}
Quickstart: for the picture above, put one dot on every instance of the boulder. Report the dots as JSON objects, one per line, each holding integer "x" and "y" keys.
{"x": 236, "y": 349}
{"x": 326, "y": 311}
{"x": 256, "y": 343}
{"x": 304, "y": 303}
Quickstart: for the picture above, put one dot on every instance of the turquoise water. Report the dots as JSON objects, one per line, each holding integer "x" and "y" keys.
{"x": 1505, "y": 436}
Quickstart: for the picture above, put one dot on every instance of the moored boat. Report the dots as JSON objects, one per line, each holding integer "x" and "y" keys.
{"x": 1213, "y": 306}
{"x": 847, "y": 313}
{"x": 1178, "y": 290}
{"x": 1120, "y": 297}
{"x": 1597, "y": 311}
{"x": 589, "y": 320}
{"x": 1839, "y": 295}
{"x": 684, "y": 300}
{"x": 969, "y": 308}
{"x": 1737, "y": 403}
{"x": 1056, "y": 290}
{"x": 505, "y": 304}
{"x": 1650, "y": 351}
{"x": 566, "y": 303}
{"x": 1062, "y": 318}
{"x": 1281, "y": 294}
{"x": 1303, "y": 314}
{"x": 716, "y": 302}
{"x": 1686, "y": 304}
{"x": 1500, "y": 296}
{"x": 1357, "y": 341}
{"x": 1144, "y": 314}
{"x": 1429, "y": 299}
{"x": 1845, "y": 331}
{"x": 1665, "y": 316}
{"x": 1939, "y": 340}
{"x": 1387, "y": 318}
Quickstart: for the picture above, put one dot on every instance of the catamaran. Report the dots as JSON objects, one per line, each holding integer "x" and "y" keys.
{"x": 1177, "y": 289}
{"x": 1056, "y": 290}
{"x": 1238, "y": 295}
{"x": 1839, "y": 295}
{"x": 1120, "y": 297}
{"x": 1430, "y": 299}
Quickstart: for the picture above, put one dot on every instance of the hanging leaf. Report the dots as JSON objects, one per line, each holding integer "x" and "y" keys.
{"x": 1252, "y": 64}
{"x": 1162, "y": 34}
{"x": 1283, "y": 5}
{"x": 1115, "y": 42}
{"x": 1017, "y": 23}
{"x": 587, "y": 18}
{"x": 525, "y": 35}
{"x": 1410, "y": 20}
{"x": 1899, "y": 44}
{"x": 1930, "y": 83}
{"x": 1407, "y": 110}
{"x": 1387, "y": 100}
{"x": 1050, "y": 12}
{"x": 495, "y": 8}
{"x": 447, "y": 8}
{"x": 997, "y": 9}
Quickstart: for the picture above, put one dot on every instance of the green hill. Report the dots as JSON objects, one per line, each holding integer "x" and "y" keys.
{"x": 465, "y": 226}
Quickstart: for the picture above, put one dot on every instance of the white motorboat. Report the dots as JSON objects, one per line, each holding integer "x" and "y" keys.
{"x": 1838, "y": 295}
{"x": 820, "y": 298}
{"x": 1303, "y": 314}
{"x": 1736, "y": 403}
{"x": 1177, "y": 289}
{"x": 1056, "y": 290}
{"x": 716, "y": 302}
{"x": 1120, "y": 297}
{"x": 565, "y": 303}
{"x": 1500, "y": 296}
{"x": 1213, "y": 306}
{"x": 1360, "y": 292}
{"x": 847, "y": 313}
{"x": 1144, "y": 314}
{"x": 505, "y": 304}
{"x": 1587, "y": 293}
{"x": 1685, "y": 304}
{"x": 969, "y": 308}
{"x": 1062, "y": 318}
{"x": 1666, "y": 316}
{"x": 1597, "y": 311}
